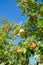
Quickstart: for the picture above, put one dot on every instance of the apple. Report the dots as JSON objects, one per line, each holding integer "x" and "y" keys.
{"x": 34, "y": 17}
{"x": 33, "y": 45}
{"x": 22, "y": 33}
{"x": 19, "y": 50}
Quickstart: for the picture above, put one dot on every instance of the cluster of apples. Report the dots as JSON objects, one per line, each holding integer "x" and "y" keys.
{"x": 32, "y": 46}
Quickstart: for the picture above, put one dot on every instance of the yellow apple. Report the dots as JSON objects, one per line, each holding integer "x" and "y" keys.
{"x": 19, "y": 50}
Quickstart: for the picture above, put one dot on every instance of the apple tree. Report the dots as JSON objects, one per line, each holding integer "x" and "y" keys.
{"x": 31, "y": 34}
{"x": 32, "y": 30}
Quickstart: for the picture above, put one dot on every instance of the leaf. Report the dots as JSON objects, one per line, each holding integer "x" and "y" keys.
{"x": 32, "y": 0}
{"x": 40, "y": 24}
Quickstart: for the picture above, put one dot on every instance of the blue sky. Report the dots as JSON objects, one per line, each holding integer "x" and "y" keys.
{"x": 9, "y": 9}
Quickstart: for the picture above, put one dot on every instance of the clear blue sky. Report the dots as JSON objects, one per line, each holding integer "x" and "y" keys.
{"x": 9, "y": 9}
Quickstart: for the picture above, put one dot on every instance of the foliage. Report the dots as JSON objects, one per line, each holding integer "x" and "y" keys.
{"x": 31, "y": 34}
